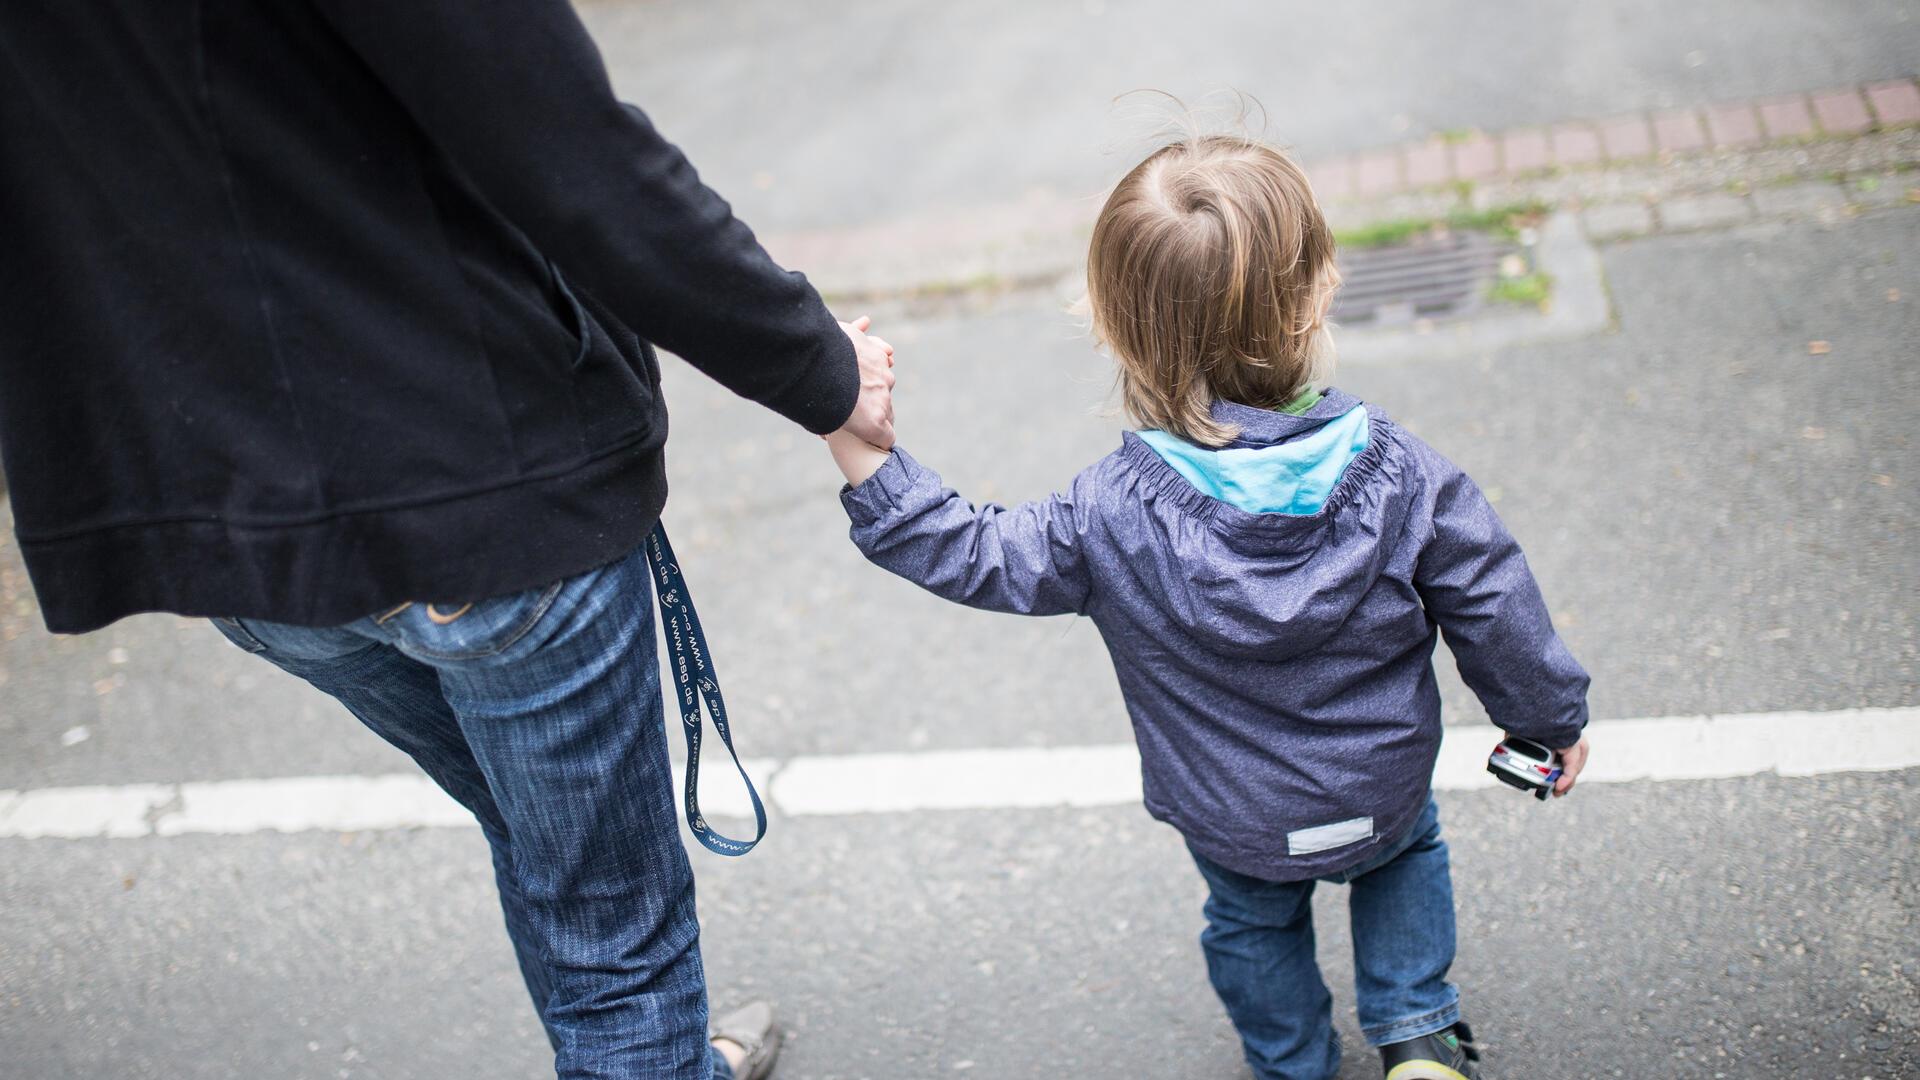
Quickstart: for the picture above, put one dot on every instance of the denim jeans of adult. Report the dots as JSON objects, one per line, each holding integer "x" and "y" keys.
{"x": 541, "y": 713}
{"x": 1259, "y": 945}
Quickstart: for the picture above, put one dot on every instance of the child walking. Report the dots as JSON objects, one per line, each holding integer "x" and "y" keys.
{"x": 1269, "y": 564}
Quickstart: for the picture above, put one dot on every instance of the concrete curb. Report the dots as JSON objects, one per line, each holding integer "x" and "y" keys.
{"x": 1477, "y": 157}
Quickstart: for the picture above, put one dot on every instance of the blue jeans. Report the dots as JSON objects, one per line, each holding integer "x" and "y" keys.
{"x": 541, "y": 713}
{"x": 1259, "y": 948}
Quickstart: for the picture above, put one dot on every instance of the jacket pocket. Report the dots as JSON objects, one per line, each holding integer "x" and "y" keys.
{"x": 636, "y": 352}
{"x": 582, "y": 326}
{"x": 651, "y": 358}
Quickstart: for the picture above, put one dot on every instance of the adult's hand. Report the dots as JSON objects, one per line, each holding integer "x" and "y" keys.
{"x": 872, "y": 419}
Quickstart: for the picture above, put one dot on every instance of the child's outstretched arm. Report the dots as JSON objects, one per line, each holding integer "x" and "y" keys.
{"x": 1475, "y": 582}
{"x": 1025, "y": 560}
{"x": 857, "y": 458}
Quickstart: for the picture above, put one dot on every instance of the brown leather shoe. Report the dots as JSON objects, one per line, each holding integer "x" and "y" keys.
{"x": 753, "y": 1029}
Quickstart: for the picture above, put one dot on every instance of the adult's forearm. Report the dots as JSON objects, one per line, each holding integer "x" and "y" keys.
{"x": 516, "y": 94}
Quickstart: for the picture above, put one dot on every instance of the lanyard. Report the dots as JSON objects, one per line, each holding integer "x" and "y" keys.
{"x": 696, "y": 681}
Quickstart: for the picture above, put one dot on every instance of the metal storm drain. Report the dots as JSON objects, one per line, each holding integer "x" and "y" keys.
{"x": 1435, "y": 275}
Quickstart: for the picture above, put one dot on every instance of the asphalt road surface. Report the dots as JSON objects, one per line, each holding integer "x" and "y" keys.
{"x": 1722, "y": 522}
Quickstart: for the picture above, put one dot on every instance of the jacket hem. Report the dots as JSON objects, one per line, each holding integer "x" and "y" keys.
{"x": 334, "y": 570}
{"x": 1275, "y": 864}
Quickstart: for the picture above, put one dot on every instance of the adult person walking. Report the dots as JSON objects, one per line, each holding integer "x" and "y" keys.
{"x": 332, "y": 320}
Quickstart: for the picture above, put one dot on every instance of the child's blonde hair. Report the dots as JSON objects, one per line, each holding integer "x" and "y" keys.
{"x": 1208, "y": 277}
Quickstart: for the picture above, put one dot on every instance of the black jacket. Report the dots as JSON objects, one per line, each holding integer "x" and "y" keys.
{"x": 309, "y": 307}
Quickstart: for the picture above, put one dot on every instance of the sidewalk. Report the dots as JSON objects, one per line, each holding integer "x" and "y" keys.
{"x": 1822, "y": 155}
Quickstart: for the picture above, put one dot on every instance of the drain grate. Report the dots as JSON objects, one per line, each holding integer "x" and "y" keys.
{"x": 1436, "y": 275}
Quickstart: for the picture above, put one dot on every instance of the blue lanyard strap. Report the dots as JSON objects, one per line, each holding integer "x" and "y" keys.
{"x": 696, "y": 681}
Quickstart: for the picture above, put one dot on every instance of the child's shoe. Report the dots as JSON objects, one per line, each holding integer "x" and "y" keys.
{"x": 1443, "y": 1055}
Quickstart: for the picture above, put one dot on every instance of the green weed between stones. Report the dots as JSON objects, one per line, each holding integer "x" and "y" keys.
{"x": 1531, "y": 290}
{"x": 1502, "y": 222}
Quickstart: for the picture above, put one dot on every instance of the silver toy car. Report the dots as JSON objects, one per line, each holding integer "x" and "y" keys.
{"x": 1525, "y": 764}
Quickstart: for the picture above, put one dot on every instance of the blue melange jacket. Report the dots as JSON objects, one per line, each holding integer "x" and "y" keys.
{"x": 1277, "y": 666}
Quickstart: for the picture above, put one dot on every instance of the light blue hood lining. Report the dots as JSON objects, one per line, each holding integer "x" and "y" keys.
{"x": 1293, "y": 477}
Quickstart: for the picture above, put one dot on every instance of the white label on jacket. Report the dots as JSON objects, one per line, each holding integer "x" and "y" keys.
{"x": 1327, "y": 837}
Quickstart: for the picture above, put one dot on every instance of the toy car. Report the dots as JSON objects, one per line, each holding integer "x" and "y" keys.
{"x": 1525, "y": 764}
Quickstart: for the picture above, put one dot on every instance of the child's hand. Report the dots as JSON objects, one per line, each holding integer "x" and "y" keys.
{"x": 1572, "y": 760}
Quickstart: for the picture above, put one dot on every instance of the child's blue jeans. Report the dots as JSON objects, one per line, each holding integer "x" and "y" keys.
{"x": 1259, "y": 947}
{"x": 541, "y": 713}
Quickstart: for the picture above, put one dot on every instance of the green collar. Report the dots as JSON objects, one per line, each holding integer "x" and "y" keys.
{"x": 1307, "y": 399}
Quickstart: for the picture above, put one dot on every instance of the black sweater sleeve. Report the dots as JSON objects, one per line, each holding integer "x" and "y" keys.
{"x": 516, "y": 94}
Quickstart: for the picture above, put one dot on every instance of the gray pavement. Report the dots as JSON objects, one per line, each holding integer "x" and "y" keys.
{"x": 811, "y": 115}
{"x": 1721, "y": 520}
{"x": 1748, "y": 928}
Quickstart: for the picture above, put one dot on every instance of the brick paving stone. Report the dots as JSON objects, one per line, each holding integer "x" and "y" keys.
{"x": 1678, "y": 130}
{"x": 1525, "y": 150}
{"x": 1841, "y": 112}
{"x": 1377, "y": 173}
{"x": 1332, "y": 179}
{"x": 1626, "y": 137}
{"x": 1427, "y": 164}
{"x": 1611, "y": 221}
{"x": 1475, "y": 157}
{"x": 1732, "y": 125}
{"x": 1814, "y": 198}
{"x": 1703, "y": 211}
{"x": 1575, "y": 144}
{"x": 1895, "y": 103}
{"x": 1786, "y": 118}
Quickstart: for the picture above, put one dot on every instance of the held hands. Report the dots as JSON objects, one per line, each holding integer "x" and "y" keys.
{"x": 872, "y": 419}
{"x": 860, "y": 447}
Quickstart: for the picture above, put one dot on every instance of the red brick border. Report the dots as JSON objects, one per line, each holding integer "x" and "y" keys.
{"x": 1378, "y": 173}
{"x": 1679, "y": 130}
{"x": 1475, "y": 157}
{"x": 1733, "y": 125}
{"x": 1576, "y": 144}
{"x": 1842, "y": 111}
{"x": 1626, "y": 137}
{"x": 1787, "y": 118}
{"x": 1427, "y": 164}
{"x": 1435, "y": 162}
{"x": 1895, "y": 103}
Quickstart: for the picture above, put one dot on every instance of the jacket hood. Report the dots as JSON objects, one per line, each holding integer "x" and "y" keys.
{"x": 1294, "y": 516}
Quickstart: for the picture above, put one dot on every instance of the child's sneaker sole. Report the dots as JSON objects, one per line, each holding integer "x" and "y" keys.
{"x": 1444, "y": 1055}
{"x": 1425, "y": 1070}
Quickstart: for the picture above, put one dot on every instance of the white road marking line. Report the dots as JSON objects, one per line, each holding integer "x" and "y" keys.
{"x": 296, "y": 804}
{"x": 722, "y": 795}
{"x": 78, "y": 812}
{"x": 1657, "y": 748}
{"x": 959, "y": 780}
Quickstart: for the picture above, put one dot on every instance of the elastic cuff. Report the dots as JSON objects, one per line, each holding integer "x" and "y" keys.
{"x": 1559, "y": 737}
{"x": 880, "y": 494}
{"x": 1402, "y": 1030}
